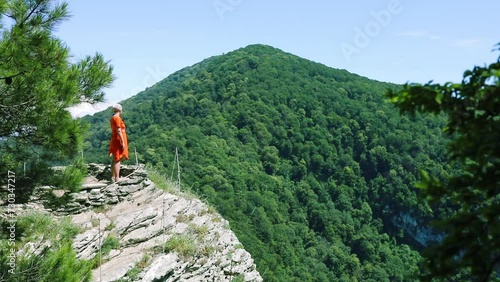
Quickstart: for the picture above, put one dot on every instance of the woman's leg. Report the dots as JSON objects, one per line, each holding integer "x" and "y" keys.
{"x": 117, "y": 170}
{"x": 113, "y": 170}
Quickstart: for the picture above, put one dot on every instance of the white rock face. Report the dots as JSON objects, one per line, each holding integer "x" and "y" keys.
{"x": 138, "y": 232}
{"x": 161, "y": 267}
{"x": 418, "y": 231}
{"x": 158, "y": 236}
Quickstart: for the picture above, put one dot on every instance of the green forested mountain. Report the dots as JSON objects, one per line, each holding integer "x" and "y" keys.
{"x": 312, "y": 167}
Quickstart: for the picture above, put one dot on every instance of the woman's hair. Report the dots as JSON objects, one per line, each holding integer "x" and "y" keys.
{"x": 117, "y": 108}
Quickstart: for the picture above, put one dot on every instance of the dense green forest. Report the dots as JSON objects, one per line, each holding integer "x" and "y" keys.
{"x": 311, "y": 165}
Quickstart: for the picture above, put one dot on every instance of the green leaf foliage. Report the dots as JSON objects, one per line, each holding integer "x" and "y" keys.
{"x": 472, "y": 229}
{"x": 311, "y": 165}
{"x": 56, "y": 262}
{"x": 39, "y": 81}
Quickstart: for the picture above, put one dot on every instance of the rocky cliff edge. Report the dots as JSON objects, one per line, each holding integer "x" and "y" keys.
{"x": 139, "y": 232}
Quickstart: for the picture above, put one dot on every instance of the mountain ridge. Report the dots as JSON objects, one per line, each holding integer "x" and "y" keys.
{"x": 256, "y": 50}
{"x": 310, "y": 164}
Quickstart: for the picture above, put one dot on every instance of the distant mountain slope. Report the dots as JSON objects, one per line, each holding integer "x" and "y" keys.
{"x": 311, "y": 166}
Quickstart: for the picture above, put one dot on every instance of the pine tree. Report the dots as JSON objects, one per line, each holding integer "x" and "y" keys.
{"x": 39, "y": 81}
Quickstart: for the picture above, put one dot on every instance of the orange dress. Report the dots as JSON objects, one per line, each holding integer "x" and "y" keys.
{"x": 115, "y": 143}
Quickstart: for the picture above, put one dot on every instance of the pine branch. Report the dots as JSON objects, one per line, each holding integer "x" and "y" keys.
{"x": 8, "y": 79}
{"x": 29, "y": 15}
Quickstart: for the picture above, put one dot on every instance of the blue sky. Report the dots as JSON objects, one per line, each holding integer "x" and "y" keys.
{"x": 387, "y": 40}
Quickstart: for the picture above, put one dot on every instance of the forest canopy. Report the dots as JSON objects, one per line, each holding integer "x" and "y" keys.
{"x": 472, "y": 229}
{"x": 312, "y": 166}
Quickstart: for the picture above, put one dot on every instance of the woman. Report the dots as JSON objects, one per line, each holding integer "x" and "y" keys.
{"x": 118, "y": 146}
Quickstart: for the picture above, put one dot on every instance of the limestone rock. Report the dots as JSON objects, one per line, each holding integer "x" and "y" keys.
{"x": 91, "y": 186}
{"x": 134, "y": 220}
{"x": 87, "y": 244}
{"x": 125, "y": 190}
{"x": 84, "y": 220}
{"x": 95, "y": 194}
{"x": 117, "y": 267}
{"x": 80, "y": 197}
{"x": 131, "y": 181}
{"x": 112, "y": 200}
{"x": 34, "y": 248}
{"x": 163, "y": 266}
{"x": 58, "y": 193}
{"x": 142, "y": 224}
{"x": 111, "y": 190}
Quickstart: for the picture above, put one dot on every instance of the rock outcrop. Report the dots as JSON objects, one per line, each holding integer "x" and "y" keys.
{"x": 141, "y": 233}
{"x": 418, "y": 231}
